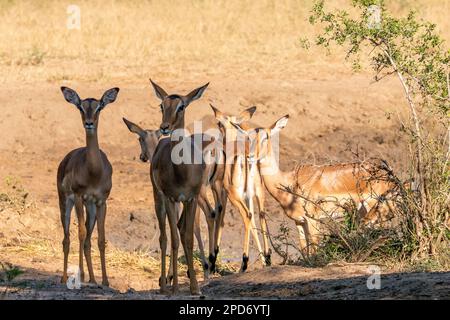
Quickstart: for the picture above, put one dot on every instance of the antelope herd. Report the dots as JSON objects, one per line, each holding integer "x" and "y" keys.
{"x": 234, "y": 160}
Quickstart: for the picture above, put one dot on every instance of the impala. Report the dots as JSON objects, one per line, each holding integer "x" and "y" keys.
{"x": 243, "y": 183}
{"x": 300, "y": 191}
{"x": 84, "y": 180}
{"x": 148, "y": 140}
{"x": 175, "y": 182}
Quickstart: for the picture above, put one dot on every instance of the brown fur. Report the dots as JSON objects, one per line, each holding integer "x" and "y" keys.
{"x": 331, "y": 186}
{"x": 149, "y": 140}
{"x": 242, "y": 183}
{"x": 84, "y": 181}
{"x": 174, "y": 183}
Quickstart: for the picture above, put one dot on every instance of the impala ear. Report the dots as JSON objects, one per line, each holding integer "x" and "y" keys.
{"x": 239, "y": 128}
{"x": 160, "y": 93}
{"x": 109, "y": 96}
{"x": 218, "y": 114}
{"x": 71, "y": 96}
{"x": 134, "y": 128}
{"x": 247, "y": 114}
{"x": 279, "y": 124}
{"x": 195, "y": 94}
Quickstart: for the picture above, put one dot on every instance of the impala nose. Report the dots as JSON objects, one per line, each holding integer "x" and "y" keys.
{"x": 143, "y": 157}
{"x": 164, "y": 128}
{"x": 89, "y": 125}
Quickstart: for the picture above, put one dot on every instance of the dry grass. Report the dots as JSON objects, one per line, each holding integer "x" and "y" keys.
{"x": 131, "y": 39}
{"x": 120, "y": 260}
{"x": 35, "y": 248}
{"x": 14, "y": 196}
{"x": 116, "y": 258}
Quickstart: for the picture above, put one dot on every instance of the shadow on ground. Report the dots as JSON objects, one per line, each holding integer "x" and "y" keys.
{"x": 279, "y": 282}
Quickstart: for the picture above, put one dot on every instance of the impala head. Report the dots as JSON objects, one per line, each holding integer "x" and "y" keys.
{"x": 173, "y": 107}
{"x": 90, "y": 108}
{"x": 260, "y": 139}
{"x": 226, "y": 121}
{"x": 148, "y": 139}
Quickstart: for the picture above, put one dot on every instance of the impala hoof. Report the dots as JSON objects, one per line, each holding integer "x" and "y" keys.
{"x": 212, "y": 260}
{"x": 268, "y": 260}
{"x": 244, "y": 263}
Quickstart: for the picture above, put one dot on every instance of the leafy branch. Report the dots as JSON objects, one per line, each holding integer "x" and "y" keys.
{"x": 413, "y": 51}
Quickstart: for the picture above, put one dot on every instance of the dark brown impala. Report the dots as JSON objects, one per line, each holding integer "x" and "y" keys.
{"x": 176, "y": 182}
{"x": 149, "y": 139}
{"x": 84, "y": 180}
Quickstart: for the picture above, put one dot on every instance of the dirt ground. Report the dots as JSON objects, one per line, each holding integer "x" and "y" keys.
{"x": 328, "y": 118}
{"x": 343, "y": 282}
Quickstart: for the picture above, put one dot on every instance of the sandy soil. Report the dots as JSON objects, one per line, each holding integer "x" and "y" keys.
{"x": 329, "y": 116}
{"x": 277, "y": 282}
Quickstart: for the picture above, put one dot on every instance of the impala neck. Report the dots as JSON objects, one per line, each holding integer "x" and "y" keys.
{"x": 93, "y": 156}
{"x": 180, "y": 168}
{"x": 180, "y": 126}
{"x": 273, "y": 177}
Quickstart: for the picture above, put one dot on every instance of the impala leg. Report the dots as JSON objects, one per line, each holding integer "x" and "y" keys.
{"x": 81, "y": 233}
{"x": 218, "y": 227}
{"x": 101, "y": 217}
{"x": 203, "y": 203}
{"x": 264, "y": 229}
{"x": 65, "y": 205}
{"x": 186, "y": 226}
{"x": 217, "y": 199}
{"x": 302, "y": 238}
{"x": 242, "y": 208}
{"x": 172, "y": 214}
{"x": 217, "y": 211}
{"x": 307, "y": 239}
{"x": 314, "y": 234}
{"x": 90, "y": 223}
{"x": 179, "y": 210}
{"x": 161, "y": 215}
{"x": 254, "y": 230}
{"x": 198, "y": 236}
{"x": 245, "y": 255}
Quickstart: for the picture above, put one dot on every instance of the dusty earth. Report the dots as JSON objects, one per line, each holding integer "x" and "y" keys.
{"x": 331, "y": 115}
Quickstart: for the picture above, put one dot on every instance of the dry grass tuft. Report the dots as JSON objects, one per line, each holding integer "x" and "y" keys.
{"x": 131, "y": 260}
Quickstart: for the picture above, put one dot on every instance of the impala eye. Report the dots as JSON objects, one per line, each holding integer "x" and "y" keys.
{"x": 180, "y": 108}
{"x": 161, "y": 107}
